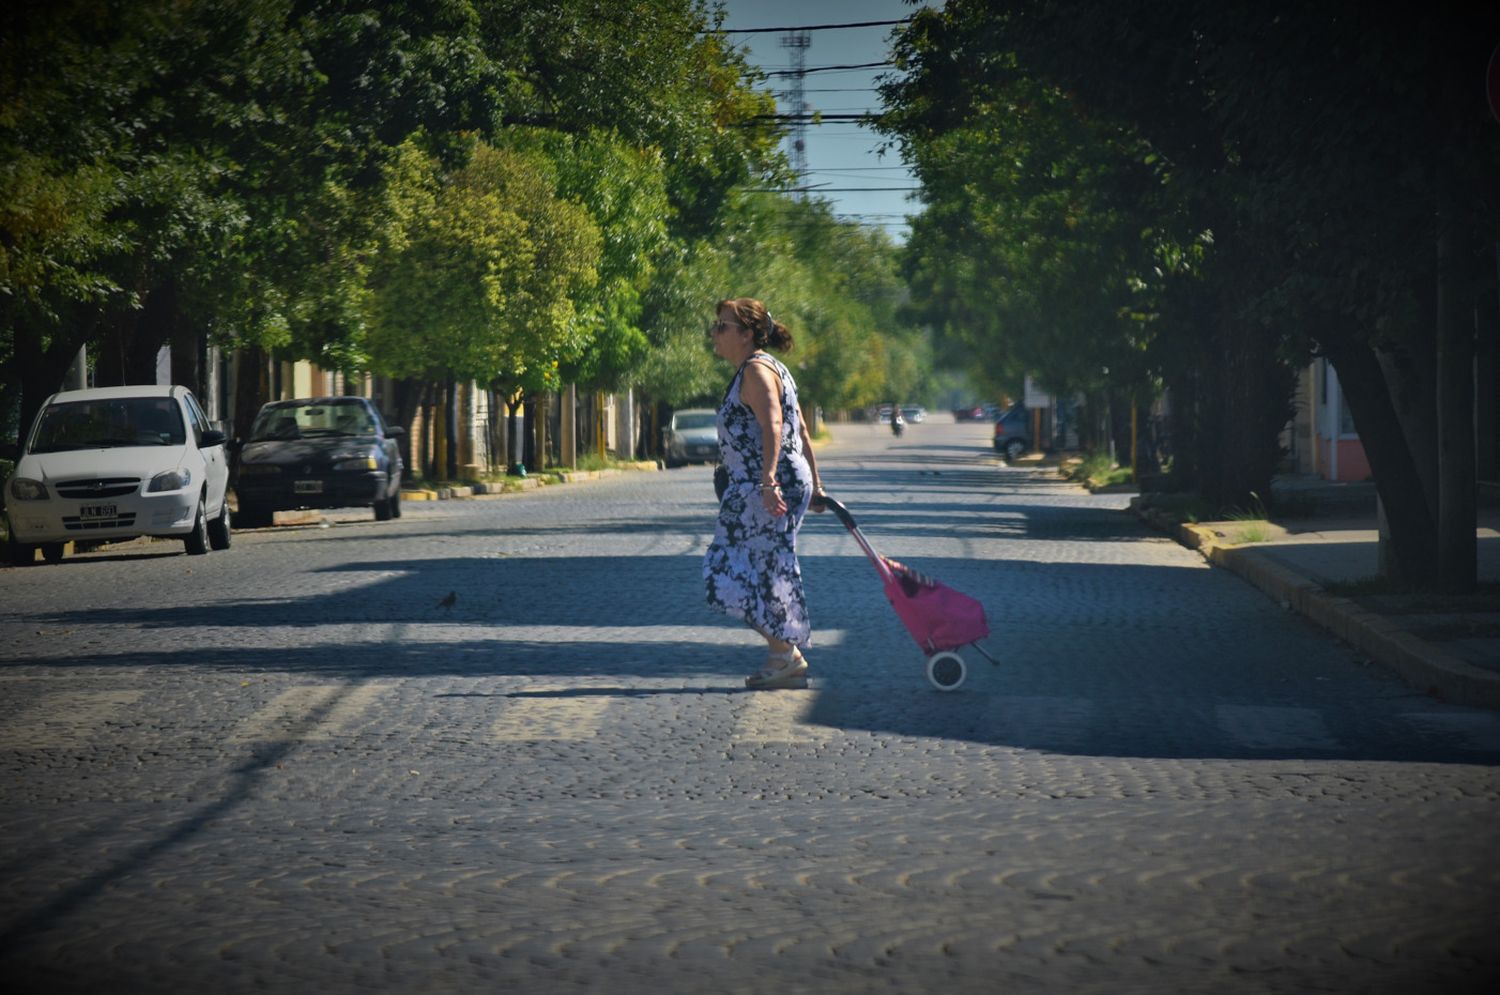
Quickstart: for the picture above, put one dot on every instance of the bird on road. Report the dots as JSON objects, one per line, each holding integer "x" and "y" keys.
{"x": 449, "y": 601}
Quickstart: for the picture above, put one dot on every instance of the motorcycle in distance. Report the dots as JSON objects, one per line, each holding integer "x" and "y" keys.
{"x": 898, "y": 422}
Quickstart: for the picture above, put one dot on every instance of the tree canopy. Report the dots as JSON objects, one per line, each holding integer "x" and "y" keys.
{"x": 1207, "y": 193}
{"x": 516, "y": 192}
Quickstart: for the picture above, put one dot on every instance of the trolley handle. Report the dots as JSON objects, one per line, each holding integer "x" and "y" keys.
{"x": 842, "y": 514}
{"x": 839, "y": 511}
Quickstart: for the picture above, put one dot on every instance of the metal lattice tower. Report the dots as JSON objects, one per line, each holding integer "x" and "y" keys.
{"x": 797, "y": 42}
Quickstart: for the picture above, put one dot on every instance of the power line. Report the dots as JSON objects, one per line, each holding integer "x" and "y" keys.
{"x": 830, "y": 69}
{"x": 820, "y": 189}
{"x": 814, "y": 117}
{"x": 812, "y": 27}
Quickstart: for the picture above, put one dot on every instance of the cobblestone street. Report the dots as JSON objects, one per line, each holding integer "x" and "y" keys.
{"x": 286, "y": 767}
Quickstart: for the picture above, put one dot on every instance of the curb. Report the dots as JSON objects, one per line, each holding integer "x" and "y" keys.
{"x": 465, "y": 492}
{"x": 1419, "y": 663}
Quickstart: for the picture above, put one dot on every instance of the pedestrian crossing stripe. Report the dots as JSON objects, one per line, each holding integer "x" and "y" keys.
{"x": 64, "y": 718}
{"x": 570, "y": 712}
{"x": 286, "y": 716}
{"x": 347, "y": 707}
{"x": 1041, "y": 720}
{"x": 309, "y": 713}
{"x": 549, "y": 712}
{"x": 1258, "y": 727}
{"x": 1471, "y": 730}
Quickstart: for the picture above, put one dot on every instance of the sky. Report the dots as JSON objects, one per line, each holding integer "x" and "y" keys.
{"x": 840, "y": 155}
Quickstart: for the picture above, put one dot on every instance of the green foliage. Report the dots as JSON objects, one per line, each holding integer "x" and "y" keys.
{"x": 516, "y": 191}
{"x": 651, "y": 72}
{"x": 1048, "y": 235}
{"x": 835, "y": 285}
{"x": 480, "y": 284}
{"x": 1256, "y": 512}
{"x": 624, "y": 191}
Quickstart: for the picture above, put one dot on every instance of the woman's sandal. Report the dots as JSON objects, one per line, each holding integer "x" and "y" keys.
{"x": 782, "y": 670}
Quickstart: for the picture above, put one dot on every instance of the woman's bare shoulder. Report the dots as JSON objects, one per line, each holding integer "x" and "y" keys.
{"x": 762, "y": 378}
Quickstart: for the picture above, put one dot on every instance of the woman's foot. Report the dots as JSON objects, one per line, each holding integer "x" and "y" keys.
{"x": 786, "y": 669}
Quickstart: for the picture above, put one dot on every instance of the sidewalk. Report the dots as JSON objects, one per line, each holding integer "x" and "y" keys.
{"x": 1445, "y": 645}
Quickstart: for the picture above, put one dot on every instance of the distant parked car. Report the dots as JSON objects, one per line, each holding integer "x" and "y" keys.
{"x": 118, "y": 463}
{"x": 914, "y": 413}
{"x": 1013, "y": 433}
{"x": 318, "y": 452}
{"x": 692, "y": 436}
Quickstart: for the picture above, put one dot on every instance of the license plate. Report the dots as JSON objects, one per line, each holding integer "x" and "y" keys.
{"x": 96, "y": 511}
{"x": 308, "y": 487}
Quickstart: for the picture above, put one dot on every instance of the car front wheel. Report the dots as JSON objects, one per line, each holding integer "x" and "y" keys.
{"x": 52, "y": 552}
{"x": 197, "y": 540}
{"x": 18, "y": 554}
{"x": 219, "y": 529}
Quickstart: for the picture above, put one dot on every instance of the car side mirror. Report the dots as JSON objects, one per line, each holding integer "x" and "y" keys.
{"x": 395, "y": 431}
{"x": 212, "y": 437}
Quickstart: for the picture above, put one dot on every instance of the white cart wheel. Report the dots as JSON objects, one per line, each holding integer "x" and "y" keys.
{"x": 946, "y": 670}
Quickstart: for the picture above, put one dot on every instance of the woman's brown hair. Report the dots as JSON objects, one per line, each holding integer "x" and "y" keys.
{"x": 767, "y": 331}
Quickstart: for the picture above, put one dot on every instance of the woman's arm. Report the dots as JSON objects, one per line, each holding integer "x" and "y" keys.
{"x": 812, "y": 462}
{"x": 760, "y": 389}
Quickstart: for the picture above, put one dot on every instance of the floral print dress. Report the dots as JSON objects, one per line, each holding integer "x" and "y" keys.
{"x": 751, "y": 570}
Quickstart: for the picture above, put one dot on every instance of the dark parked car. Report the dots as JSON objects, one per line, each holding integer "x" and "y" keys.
{"x": 1013, "y": 432}
{"x": 318, "y": 452}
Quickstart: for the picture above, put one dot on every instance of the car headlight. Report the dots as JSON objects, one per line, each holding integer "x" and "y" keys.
{"x": 259, "y": 470}
{"x": 359, "y": 463}
{"x": 170, "y": 480}
{"x": 26, "y": 489}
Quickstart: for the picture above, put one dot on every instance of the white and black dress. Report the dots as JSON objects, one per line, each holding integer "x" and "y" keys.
{"x": 751, "y": 570}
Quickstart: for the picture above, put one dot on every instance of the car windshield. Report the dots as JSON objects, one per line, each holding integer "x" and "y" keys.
{"x": 311, "y": 421}
{"x": 705, "y": 419}
{"x": 108, "y": 423}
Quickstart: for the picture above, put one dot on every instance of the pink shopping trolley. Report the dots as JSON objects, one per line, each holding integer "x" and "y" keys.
{"x": 939, "y": 618}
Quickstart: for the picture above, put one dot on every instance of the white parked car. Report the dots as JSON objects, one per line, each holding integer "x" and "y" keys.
{"x": 116, "y": 463}
{"x": 693, "y": 436}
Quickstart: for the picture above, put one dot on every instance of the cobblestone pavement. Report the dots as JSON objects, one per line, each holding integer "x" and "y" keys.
{"x": 285, "y": 768}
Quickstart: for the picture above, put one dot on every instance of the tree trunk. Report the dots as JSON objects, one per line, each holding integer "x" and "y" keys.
{"x": 1413, "y": 530}
{"x": 1256, "y": 403}
{"x": 42, "y": 370}
{"x": 1487, "y": 381}
{"x": 409, "y": 395}
{"x": 188, "y": 343}
{"x": 498, "y": 447}
{"x": 153, "y": 327}
{"x": 451, "y": 429}
{"x": 1457, "y": 544}
{"x": 252, "y": 388}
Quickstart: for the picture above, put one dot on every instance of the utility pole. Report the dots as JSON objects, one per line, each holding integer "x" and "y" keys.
{"x": 797, "y": 42}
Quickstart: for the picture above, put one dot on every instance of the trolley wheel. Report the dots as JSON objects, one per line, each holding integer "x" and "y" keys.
{"x": 946, "y": 670}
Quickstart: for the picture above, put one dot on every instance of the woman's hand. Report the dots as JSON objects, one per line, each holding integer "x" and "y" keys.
{"x": 772, "y": 501}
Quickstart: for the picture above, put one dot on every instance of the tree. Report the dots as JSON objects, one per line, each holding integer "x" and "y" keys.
{"x": 623, "y": 189}
{"x": 654, "y": 74}
{"x": 214, "y": 155}
{"x": 481, "y": 281}
{"x": 1324, "y": 153}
